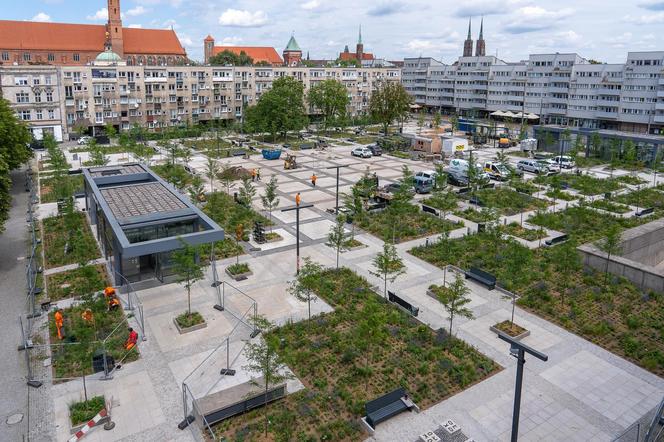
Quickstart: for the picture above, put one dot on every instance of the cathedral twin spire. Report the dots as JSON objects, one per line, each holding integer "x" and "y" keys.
{"x": 480, "y": 47}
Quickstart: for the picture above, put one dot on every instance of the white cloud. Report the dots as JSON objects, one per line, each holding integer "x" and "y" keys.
{"x": 135, "y": 26}
{"x": 170, "y": 24}
{"x": 138, "y": 10}
{"x": 311, "y": 4}
{"x": 535, "y": 18}
{"x": 230, "y": 41}
{"x": 424, "y": 46}
{"x": 648, "y": 19}
{"x": 102, "y": 14}
{"x": 242, "y": 18}
{"x": 42, "y": 16}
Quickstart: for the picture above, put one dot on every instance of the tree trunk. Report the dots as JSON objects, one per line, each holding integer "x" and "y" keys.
{"x": 385, "y": 288}
{"x": 451, "y": 318}
{"x": 309, "y": 305}
{"x": 513, "y": 307}
{"x": 337, "y": 258}
{"x": 189, "y": 300}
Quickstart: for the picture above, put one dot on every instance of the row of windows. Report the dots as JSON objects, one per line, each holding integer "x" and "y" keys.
{"x": 24, "y": 97}
{"x": 26, "y": 115}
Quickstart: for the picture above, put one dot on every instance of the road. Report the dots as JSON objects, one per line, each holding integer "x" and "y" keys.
{"x": 13, "y": 248}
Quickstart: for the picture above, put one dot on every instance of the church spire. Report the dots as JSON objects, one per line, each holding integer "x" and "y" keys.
{"x": 482, "y": 29}
{"x": 468, "y": 44}
{"x": 359, "y": 37}
{"x": 469, "y": 26}
{"x": 480, "y": 46}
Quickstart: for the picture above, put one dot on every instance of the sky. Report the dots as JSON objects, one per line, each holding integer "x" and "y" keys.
{"x": 393, "y": 29}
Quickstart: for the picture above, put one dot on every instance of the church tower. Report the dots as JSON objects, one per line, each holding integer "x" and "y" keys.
{"x": 114, "y": 28}
{"x": 480, "y": 48}
{"x": 468, "y": 44}
{"x": 208, "y": 48}
{"x": 359, "y": 49}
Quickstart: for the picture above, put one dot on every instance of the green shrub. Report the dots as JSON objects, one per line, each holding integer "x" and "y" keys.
{"x": 82, "y": 412}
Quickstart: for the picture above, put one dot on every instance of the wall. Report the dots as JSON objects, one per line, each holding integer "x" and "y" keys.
{"x": 645, "y": 243}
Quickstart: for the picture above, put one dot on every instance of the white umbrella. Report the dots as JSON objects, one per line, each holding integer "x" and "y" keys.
{"x": 509, "y": 114}
{"x": 518, "y": 115}
{"x": 532, "y": 117}
{"x": 498, "y": 114}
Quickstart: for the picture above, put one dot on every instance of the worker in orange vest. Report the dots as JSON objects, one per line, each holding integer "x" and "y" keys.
{"x": 298, "y": 199}
{"x": 313, "y": 179}
{"x": 132, "y": 339}
{"x": 253, "y": 174}
{"x": 59, "y": 324}
{"x": 109, "y": 291}
{"x": 113, "y": 303}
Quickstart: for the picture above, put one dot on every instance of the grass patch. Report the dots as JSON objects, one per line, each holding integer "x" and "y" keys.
{"x": 361, "y": 350}
{"x": 585, "y": 184}
{"x": 403, "y": 224}
{"x": 82, "y": 412}
{"x": 186, "y": 320}
{"x": 631, "y": 179}
{"x": 273, "y": 236}
{"x": 643, "y": 198}
{"x": 507, "y": 201}
{"x": 476, "y": 216}
{"x": 238, "y": 269}
{"x": 78, "y": 282}
{"x": 77, "y": 238}
{"x": 609, "y": 206}
{"x": 560, "y": 195}
{"x": 174, "y": 174}
{"x": 48, "y": 192}
{"x": 83, "y": 339}
{"x": 515, "y": 229}
{"x": 104, "y": 148}
{"x": 226, "y": 212}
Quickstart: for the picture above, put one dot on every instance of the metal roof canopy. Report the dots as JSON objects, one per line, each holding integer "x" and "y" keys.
{"x": 125, "y": 179}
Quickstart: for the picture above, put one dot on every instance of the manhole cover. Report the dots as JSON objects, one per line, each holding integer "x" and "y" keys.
{"x": 14, "y": 419}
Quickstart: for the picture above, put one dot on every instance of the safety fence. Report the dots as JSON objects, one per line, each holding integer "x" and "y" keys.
{"x": 34, "y": 265}
{"x": 131, "y": 302}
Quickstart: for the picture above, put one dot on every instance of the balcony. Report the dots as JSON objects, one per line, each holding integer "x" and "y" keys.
{"x": 659, "y": 105}
{"x": 658, "y": 118}
{"x": 155, "y": 79}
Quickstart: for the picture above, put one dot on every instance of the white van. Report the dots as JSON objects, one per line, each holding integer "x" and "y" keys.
{"x": 458, "y": 172}
{"x": 562, "y": 161}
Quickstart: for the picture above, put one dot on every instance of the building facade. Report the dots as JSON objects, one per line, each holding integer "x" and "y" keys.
{"x": 563, "y": 89}
{"x": 67, "y": 44}
{"x": 35, "y": 94}
{"x": 86, "y": 98}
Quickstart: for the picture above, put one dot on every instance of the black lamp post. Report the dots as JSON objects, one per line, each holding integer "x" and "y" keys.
{"x": 297, "y": 230}
{"x": 519, "y": 350}
{"x": 336, "y": 205}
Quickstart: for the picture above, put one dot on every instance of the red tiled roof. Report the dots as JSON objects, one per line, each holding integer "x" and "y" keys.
{"x": 353, "y": 56}
{"x": 36, "y": 36}
{"x": 258, "y": 53}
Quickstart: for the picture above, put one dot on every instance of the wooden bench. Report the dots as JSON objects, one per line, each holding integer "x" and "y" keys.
{"x": 482, "y": 277}
{"x": 385, "y": 407}
{"x": 556, "y": 240}
{"x": 410, "y": 308}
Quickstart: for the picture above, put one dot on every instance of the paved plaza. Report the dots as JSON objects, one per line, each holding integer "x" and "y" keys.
{"x": 582, "y": 393}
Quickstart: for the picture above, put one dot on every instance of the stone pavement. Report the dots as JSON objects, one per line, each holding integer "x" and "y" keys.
{"x": 582, "y": 393}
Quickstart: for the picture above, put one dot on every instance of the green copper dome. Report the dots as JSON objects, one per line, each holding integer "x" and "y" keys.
{"x": 292, "y": 45}
{"x": 108, "y": 56}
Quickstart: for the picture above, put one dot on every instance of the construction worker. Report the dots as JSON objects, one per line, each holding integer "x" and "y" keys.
{"x": 132, "y": 339}
{"x": 109, "y": 291}
{"x": 258, "y": 174}
{"x": 313, "y": 179}
{"x": 253, "y": 174}
{"x": 297, "y": 199}
{"x": 113, "y": 303}
{"x": 59, "y": 324}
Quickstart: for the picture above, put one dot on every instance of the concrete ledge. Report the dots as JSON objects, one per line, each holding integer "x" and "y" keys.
{"x": 239, "y": 276}
{"x": 517, "y": 337}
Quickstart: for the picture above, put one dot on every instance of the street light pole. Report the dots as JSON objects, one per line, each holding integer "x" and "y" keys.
{"x": 519, "y": 350}
{"x": 297, "y": 231}
{"x": 336, "y": 204}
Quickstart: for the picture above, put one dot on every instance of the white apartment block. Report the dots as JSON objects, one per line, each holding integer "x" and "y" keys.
{"x": 563, "y": 89}
{"x": 34, "y": 93}
{"x": 90, "y": 97}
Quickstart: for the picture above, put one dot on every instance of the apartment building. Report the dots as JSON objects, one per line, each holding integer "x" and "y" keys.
{"x": 563, "y": 89}
{"x": 34, "y": 93}
{"x": 86, "y": 98}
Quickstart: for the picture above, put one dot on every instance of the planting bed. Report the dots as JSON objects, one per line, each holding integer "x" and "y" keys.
{"x": 610, "y": 206}
{"x": 78, "y": 282}
{"x": 585, "y": 184}
{"x": 515, "y": 229}
{"x": 48, "y": 186}
{"x": 643, "y": 198}
{"x": 82, "y": 244}
{"x": 507, "y": 201}
{"x": 363, "y": 349}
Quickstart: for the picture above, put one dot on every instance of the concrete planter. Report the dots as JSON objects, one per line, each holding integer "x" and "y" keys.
{"x": 277, "y": 239}
{"x": 239, "y": 276}
{"x": 361, "y": 246}
{"x": 517, "y": 337}
{"x": 183, "y": 330}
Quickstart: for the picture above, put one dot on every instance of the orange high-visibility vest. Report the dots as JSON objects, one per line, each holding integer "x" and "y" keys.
{"x": 297, "y": 199}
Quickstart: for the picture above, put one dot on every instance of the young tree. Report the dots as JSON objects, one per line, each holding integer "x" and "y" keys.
{"x": 211, "y": 171}
{"x": 270, "y": 199}
{"x": 444, "y": 201}
{"x": 330, "y": 97}
{"x": 338, "y": 238}
{"x": 596, "y": 143}
{"x": 454, "y": 123}
{"x": 196, "y": 191}
{"x": 454, "y": 299}
{"x": 566, "y": 261}
{"x": 516, "y": 261}
{"x": 226, "y": 177}
{"x": 353, "y": 203}
{"x": 420, "y": 122}
{"x": 97, "y": 155}
{"x": 263, "y": 359}
{"x": 247, "y": 192}
{"x": 388, "y": 265}
{"x": 188, "y": 268}
{"x": 110, "y": 131}
{"x": 630, "y": 155}
{"x": 441, "y": 177}
{"x": 302, "y": 287}
{"x": 389, "y": 102}
{"x": 548, "y": 139}
{"x": 227, "y": 57}
{"x": 436, "y": 120}
{"x": 610, "y": 245}
{"x": 502, "y": 158}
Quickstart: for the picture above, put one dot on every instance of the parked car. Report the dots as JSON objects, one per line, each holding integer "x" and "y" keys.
{"x": 83, "y": 140}
{"x": 362, "y": 152}
{"x": 540, "y": 167}
{"x": 190, "y": 170}
{"x": 375, "y": 150}
{"x": 497, "y": 171}
{"x": 562, "y": 161}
